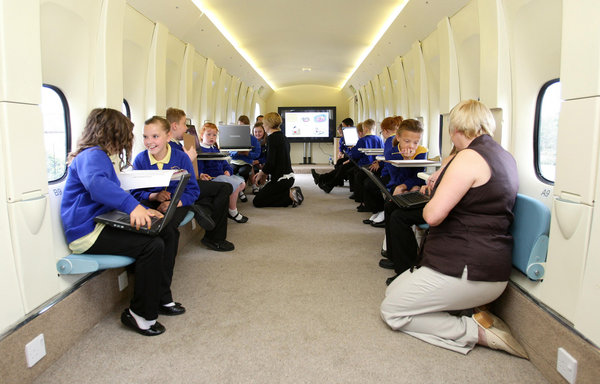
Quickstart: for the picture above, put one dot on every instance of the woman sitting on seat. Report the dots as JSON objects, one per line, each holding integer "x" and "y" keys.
{"x": 466, "y": 258}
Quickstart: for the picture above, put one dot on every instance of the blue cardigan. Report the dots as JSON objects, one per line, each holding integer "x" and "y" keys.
{"x": 250, "y": 157}
{"x": 178, "y": 160}
{"x": 213, "y": 168}
{"x": 92, "y": 188}
{"x": 368, "y": 141}
{"x": 406, "y": 175}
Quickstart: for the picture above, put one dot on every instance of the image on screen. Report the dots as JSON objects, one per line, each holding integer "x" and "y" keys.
{"x": 308, "y": 124}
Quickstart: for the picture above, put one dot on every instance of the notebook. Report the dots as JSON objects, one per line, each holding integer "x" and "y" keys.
{"x": 406, "y": 200}
{"x": 350, "y": 136}
{"x": 121, "y": 220}
{"x": 235, "y": 137}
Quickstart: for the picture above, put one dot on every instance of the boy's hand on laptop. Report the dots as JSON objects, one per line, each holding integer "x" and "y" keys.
{"x": 400, "y": 189}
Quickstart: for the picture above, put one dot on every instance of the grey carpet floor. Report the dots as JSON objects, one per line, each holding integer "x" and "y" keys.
{"x": 296, "y": 302}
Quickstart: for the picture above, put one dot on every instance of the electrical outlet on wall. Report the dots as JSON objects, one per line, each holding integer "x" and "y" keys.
{"x": 35, "y": 350}
{"x": 123, "y": 281}
{"x": 566, "y": 365}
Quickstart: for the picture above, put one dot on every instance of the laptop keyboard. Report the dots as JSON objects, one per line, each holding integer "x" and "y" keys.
{"x": 127, "y": 220}
{"x": 414, "y": 197}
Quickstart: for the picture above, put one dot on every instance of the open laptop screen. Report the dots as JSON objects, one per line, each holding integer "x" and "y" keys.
{"x": 350, "y": 136}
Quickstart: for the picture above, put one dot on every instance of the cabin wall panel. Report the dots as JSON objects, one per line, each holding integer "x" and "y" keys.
{"x": 137, "y": 42}
{"x": 377, "y": 99}
{"x": 186, "y": 82}
{"x": 197, "y": 88}
{"x": 206, "y": 107}
{"x": 495, "y": 87}
{"x": 386, "y": 92}
{"x": 580, "y": 49}
{"x": 449, "y": 77}
{"x": 431, "y": 57}
{"x": 399, "y": 87}
{"x": 68, "y": 32}
{"x": 20, "y": 51}
{"x": 106, "y": 85}
{"x": 156, "y": 87}
{"x": 465, "y": 30}
{"x": 416, "y": 85}
{"x": 533, "y": 28}
{"x": 234, "y": 92}
{"x": 173, "y": 73}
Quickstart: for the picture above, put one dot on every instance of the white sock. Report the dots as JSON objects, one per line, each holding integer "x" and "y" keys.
{"x": 379, "y": 217}
{"x": 141, "y": 322}
{"x": 384, "y": 245}
{"x": 233, "y": 212}
{"x": 171, "y": 304}
{"x": 373, "y": 216}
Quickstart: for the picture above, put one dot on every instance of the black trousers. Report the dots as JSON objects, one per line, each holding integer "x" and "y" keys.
{"x": 402, "y": 247}
{"x": 155, "y": 260}
{"x": 274, "y": 194}
{"x": 372, "y": 195}
{"x": 242, "y": 171}
{"x": 359, "y": 180}
{"x": 339, "y": 173}
{"x": 214, "y": 196}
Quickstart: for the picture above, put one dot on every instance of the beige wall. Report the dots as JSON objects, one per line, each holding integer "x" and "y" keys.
{"x": 310, "y": 96}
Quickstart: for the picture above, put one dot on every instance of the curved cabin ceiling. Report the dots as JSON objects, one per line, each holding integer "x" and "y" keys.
{"x": 281, "y": 43}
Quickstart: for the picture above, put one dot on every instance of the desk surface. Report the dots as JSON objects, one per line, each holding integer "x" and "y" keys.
{"x": 411, "y": 163}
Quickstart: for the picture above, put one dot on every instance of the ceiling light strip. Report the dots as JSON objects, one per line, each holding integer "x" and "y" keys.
{"x": 217, "y": 23}
{"x": 374, "y": 42}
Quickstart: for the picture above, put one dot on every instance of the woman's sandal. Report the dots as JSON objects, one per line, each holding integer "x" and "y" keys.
{"x": 239, "y": 218}
{"x": 498, "y": 334}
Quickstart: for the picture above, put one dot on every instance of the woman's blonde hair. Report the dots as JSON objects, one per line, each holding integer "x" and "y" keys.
{"x": 472, "y": 118}
{"x": 272, "y": 119}
{"x": 110, "y": 130}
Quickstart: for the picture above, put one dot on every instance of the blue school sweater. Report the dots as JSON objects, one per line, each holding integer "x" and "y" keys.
{"x": 178, "y": 160}
{"x": 250, "y": 157}
{"x": 213, "y": 168}
{"x": 387, "y": 150}
{"x": 92, "y": 188}
{"x": 368, "y": 141}
{"x": 406, "y": 175}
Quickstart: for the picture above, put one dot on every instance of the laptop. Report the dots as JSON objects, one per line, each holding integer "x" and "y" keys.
{"x": 234, "y": 137}
{"x": 121, "y": 220}
{"x": 350, "y": 136}
{"x": 406, "y": 200}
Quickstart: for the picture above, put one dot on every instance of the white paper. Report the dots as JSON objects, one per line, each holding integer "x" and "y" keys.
{"x": 145, "y": 178}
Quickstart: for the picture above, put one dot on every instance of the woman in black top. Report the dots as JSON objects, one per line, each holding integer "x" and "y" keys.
{"x": 279, "y": 191}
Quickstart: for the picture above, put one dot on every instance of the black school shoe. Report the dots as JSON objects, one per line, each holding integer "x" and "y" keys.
{"x": 218, "y": 245}
{"x": 386, "y": 263}
{"x": 239, "y": 218}
{"x": 297, "y": 196}
{"x": 203, "y": 218}
{"x": 315, "y": 176}
{"x": 128, "y": 320}
{"x": 173, "y": 310}
{"x": 243, "y": 197}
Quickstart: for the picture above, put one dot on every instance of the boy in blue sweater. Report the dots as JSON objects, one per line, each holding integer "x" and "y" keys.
{"x": 367, "y": 139}
{"x": 214, "y": 196}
